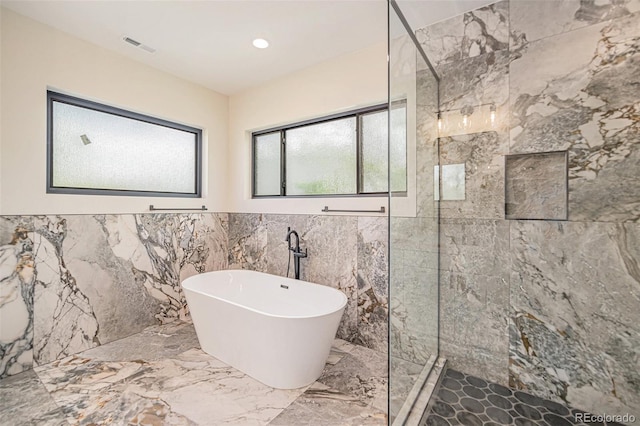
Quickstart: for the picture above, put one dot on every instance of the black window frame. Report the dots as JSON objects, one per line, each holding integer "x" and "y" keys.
{"x": 53, "y": 96}
{"x": 356, "y": 114}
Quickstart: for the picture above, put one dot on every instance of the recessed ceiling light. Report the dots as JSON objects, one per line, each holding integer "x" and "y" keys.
{"x": 261, "y": 43}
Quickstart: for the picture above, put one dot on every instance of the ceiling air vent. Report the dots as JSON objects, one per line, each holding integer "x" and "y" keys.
{"x": 137, "y": 44}
{"x": 132, "y": 41}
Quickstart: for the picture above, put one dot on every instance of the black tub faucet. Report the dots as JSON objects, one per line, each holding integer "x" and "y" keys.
{"x": 297, "y": 252}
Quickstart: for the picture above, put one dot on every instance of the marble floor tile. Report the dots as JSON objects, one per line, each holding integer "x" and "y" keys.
{"x": 25, "y": 401}
{"x": 361, "y": 373}
{"x": 161, "y": 377}
{"x": 403, "y": 376}
{"x": 190, "y": 388}
{"x": 153, "y": 343}
{"x": 323, "y": 405}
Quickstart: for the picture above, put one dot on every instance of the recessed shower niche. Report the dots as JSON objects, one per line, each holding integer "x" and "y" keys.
{"x": 536, "y": 186}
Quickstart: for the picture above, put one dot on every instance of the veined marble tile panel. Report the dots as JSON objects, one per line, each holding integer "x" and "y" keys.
{"x": 24, "y": 400}
{"x": 203, "y": 243}
{"x": 474, "y": 323}
{"x": 406, "y": 343}
{"x": 586, "y": 103}
{"x": 372, "y": 279}
{"x": 490, "y": 364}
{"x": 65, "y": 321}
{"x": 100, "y": 252}
{"x": 419, "y": 234}
{"x": 482, "y": 154}
{"x": 474, "y": 295}
{"x": 426, "y": 149}
{"x": 277, "y": 250}
{"x": 426, "y": 95}
{"x": 178, "y": 246}
{"x": 90, "y": 279}
{"x": 414, "y": 278}
{"x": 414, "y": 314}
{"x": 575, "y": 296}
{"x": 426, "y": 159}
{"x": 472, "y": 34}
{"x": 477, "y": 81}
{"x": 531, "y": 20}
{"x": 475, "y": 247}
{"x": 247, "y": 242}
{"x": 17, "y": 274}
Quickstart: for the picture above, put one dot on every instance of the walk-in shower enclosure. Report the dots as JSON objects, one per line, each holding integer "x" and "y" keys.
{"x": 531, "y": 123}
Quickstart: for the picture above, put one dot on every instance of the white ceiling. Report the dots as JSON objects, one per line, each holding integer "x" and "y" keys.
{"x": 209, "y": 42}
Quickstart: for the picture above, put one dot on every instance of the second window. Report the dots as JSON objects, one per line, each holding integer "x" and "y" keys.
{"x": 345, "y": 154}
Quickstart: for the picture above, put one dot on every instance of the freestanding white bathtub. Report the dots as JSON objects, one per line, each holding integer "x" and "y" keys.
{"x": 277, "y": 330}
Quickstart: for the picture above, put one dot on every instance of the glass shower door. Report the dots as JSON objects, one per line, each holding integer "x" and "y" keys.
{"x": 413, "y": 218}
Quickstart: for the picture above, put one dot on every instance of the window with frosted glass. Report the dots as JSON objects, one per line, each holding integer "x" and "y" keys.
{"x": 98, "y": 149}
{"x": 345, "y": 154}
{"x": 377, "y": 149}
{"x": 321, "y": 158}
{"x": 266, "y": 150}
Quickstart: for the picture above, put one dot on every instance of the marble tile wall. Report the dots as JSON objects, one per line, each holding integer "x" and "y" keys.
{"x": 574, "y": 332}
{"x": 586, "y": 103}
{"x": 70, "y": 283}
{"x": 345, "y": 252}
{"x": 550, "y": 307}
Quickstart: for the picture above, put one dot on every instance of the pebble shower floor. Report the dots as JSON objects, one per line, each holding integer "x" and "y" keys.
{"x": 470, "y": 401}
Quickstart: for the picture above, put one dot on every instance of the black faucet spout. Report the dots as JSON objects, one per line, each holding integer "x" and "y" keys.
{"x": 297, "y": 252}
{"x": 291, "y": 232}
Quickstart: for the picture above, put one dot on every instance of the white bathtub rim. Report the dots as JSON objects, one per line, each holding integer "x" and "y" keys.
{"x": 345, "y": 300}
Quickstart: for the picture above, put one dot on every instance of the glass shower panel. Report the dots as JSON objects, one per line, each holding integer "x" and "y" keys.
{"x": 413, "y": 223}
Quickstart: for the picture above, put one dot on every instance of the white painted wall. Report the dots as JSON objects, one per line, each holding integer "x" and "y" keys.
{"x": 351, "y": 81}
{"x": 1, "y": 9}
{"x": 36, "y": 57}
